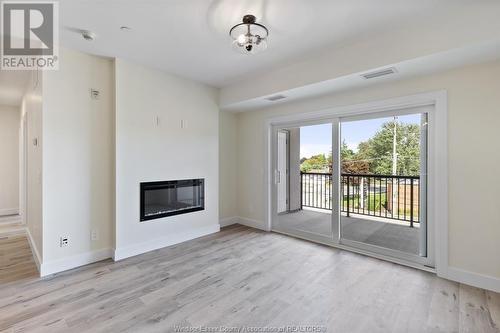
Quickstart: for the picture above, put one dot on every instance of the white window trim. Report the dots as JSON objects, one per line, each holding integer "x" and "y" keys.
{"x": 437, "y": 159}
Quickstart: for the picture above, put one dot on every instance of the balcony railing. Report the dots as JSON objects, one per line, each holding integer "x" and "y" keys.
{"x": 382, "y": 196}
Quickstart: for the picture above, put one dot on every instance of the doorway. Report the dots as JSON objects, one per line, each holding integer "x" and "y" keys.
{"x": 20, "y": 176}
{"x": 11, "y": 164}
{"x": 307, "y": 157}
{"x": 363, "y": 186}
{"x": 383, "y": 183}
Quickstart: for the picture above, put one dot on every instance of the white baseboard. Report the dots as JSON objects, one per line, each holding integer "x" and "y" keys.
{"x": 473, "y": 279}
{"x": 252, "y": 223}
{"x": 60, "y": 265}
{"x": 228, "y": 221}
{"x": 34, "y": 250}
{"x": 9, "y": 229}
{"x": 9, "y": 211}
{"x": 158, "y": 243}
{"x": 14, "y": 220}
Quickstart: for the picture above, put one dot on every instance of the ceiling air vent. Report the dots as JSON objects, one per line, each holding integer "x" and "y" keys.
{"x": 379, "y": 73}
{"x": 275, "y": 98}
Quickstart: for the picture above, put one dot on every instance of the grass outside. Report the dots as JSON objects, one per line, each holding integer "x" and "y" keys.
{"x": 376, "y": 203}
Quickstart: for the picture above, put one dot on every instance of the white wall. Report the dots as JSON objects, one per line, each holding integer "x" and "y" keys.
{"x": 228, "y": 173}
{"x": 473, "y": 136}
{"x": 146, "y": 152}
{"x": 78, "y": 163}
{"x": 80, "y": 152}
{"x": 31, "y": 117}
{"x": 9, "y": 159}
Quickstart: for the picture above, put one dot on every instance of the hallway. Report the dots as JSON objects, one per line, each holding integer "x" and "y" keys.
{"x": 16, "y": 260}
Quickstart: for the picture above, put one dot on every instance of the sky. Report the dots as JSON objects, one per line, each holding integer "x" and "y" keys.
{"x": 316, "y": 139}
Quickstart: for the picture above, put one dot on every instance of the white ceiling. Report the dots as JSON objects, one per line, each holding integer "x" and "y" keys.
{"x": 437, "y": 62}
{"x": 12, "y": 86}
{"x": 190, "y": 37}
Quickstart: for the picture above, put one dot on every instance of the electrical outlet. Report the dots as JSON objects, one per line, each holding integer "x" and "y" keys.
{"x": 94, "y": 93}
{"x": 63, "y": 241}
{"x": 94, "y": 235}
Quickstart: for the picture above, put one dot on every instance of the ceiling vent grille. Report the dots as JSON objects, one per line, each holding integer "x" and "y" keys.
{"x": 275, "y": 98}
{"x": 383, "y": 72}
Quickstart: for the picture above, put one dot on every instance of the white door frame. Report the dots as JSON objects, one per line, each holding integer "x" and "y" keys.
{"x": 23, "y": 168}
{"x": 437, "y": 190}
{"x": 283, "y": 175}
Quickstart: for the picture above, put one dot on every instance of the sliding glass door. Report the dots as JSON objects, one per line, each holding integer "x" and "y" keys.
{"x": 303, "y": 180}
{"x": 356, "y": 181}
{"x": 383, "y": 184}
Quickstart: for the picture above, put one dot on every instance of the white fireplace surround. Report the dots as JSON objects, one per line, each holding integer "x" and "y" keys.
{"x": 146, "y": 126}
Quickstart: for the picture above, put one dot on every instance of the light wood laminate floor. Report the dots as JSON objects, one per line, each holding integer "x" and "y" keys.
{"x": 16, "y": 260}
{"x": 245, "y": 277}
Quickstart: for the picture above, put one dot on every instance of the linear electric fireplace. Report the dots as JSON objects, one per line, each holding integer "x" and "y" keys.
{"x": 173, "y": 197}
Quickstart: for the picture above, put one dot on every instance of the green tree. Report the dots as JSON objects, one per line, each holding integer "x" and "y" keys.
{"x": 346, "y": 153}
{"x": 375, "y": 155}
{"x": 314, "y": 163}
{"x": 349, "y": 161}
{"x": 378, "y": 151}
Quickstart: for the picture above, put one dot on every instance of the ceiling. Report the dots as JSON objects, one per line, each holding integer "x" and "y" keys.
{"x": 437, "y": 62}
{"x": 190, "y": 37}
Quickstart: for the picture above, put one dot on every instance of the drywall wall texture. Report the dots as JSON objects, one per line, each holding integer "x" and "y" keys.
{"x": 31, "y": 118}
{"x": 9, "y": 160}
{"x": 78, "y": 150}
{"x": 228, "y": 173}
{"x": 167, "y": 128}
{"x": 473, "y": 118}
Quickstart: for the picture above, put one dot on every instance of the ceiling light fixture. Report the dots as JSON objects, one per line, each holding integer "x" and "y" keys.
{"x": 249, "y": 37}
{"x": 125, "y": 28}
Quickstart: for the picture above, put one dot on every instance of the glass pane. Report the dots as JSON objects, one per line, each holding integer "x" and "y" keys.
{"x": 304, "y": 179}
{"x": 381, "y": 190}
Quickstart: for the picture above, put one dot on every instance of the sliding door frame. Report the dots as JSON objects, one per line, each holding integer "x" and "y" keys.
{"x": 437, "y": 189}
{"x": 424, "y": 239}
{"x": 315, "y": 237}
{"x": 286, "y": 175}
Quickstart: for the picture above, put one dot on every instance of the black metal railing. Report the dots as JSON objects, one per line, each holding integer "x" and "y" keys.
{"x": 383, "y": 196}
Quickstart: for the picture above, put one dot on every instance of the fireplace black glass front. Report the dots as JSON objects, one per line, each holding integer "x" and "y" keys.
{"x": 166, "y": 198}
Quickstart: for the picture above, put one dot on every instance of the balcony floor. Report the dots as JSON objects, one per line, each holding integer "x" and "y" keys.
{"x": 374, "y": 231}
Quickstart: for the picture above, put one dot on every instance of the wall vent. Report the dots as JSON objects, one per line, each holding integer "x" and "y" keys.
{"x": 275, "y": 98}
{"x": 379, "y": 73}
